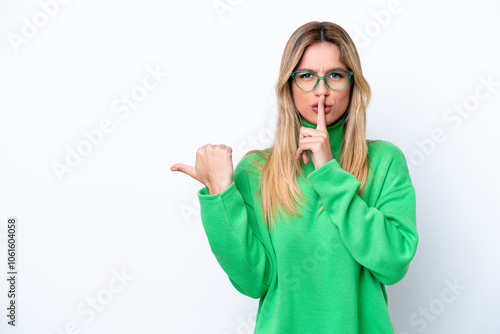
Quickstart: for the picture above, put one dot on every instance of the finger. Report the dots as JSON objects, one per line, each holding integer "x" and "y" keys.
{"x": 189, "y": 170}
{"x": 307, "y": 133}
{"x": 321, "y": 122}
{"x": 298, "y": 153}
{"x": 301, "y": 153}
{"x": 305, "y": 157}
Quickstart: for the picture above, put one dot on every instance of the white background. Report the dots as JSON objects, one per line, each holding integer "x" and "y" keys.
{"x": 121, "y": 209}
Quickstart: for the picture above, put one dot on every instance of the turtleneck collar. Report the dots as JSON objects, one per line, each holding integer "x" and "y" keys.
{"x": 335, "y": 133}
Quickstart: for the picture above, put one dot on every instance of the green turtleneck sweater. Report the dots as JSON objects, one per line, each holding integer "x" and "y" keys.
{"x": 326, "y": 271}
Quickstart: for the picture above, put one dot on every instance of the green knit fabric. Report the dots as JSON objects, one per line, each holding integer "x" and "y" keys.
{"x": 325, "y": 271}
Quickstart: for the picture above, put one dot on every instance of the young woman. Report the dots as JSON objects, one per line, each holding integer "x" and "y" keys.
{"x": 319, "y": 223}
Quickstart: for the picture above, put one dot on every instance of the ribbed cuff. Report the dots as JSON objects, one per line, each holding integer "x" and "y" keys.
{"x": 204, "y": 193}
{"x": 332, "y": 164}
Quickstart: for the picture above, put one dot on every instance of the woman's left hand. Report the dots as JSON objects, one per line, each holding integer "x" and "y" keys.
{"x": 316, "y": 140}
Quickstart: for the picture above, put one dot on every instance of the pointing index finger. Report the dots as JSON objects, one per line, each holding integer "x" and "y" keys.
{"x": 321, "y": 122}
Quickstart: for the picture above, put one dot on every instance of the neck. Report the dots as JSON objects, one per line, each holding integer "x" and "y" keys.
{"x": 335, "y": 133}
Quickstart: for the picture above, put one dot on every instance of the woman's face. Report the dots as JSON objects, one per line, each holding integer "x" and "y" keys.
{"x": 321, "y": 58}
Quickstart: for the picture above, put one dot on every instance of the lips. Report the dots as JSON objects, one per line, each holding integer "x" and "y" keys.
{"x": 327, "y": 108}
{"x": 315, "y": 105}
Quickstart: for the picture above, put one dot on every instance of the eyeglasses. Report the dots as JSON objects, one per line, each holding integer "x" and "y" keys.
{"x": 335, "y": 80}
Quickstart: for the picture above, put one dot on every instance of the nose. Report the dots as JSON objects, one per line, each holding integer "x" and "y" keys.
{"x": 322, "y": 88}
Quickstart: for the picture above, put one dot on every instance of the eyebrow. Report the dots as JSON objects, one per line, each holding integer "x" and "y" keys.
{"x": 328, "y": 71}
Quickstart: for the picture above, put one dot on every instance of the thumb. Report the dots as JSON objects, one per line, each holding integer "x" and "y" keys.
{"x": 189, "y": 170}
{"x": 305, "y": 157}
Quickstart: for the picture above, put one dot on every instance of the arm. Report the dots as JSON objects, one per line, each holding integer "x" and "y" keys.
{"x": 382, "y": 238}
{"x": 231, "y": 227}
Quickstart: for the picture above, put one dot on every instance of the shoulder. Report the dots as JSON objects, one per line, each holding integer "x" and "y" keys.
{"x": 248, "y": 171}
{"x": 386, "y": 158}
{"x": 388, "y": 171}
{"x": 253, "y": 159}
{"x": 251, "y": 165}
{"x": 382, "y": 150}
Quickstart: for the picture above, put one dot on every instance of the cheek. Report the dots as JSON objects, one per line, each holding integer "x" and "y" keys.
{"x": 299, "y": 98}
{"x": 343, "y": 98}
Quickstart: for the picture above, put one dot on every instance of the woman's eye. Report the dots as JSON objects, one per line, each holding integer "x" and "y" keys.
{"x": 336, "y": 75}
{"x": 305, "y": 76}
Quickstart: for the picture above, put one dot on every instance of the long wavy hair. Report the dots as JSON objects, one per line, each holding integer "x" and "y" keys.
{"x": 279, "y": 188}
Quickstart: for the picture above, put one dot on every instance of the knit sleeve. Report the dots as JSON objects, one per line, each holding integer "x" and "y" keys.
{"x": 382, "y": 238}
{"x": 231, "y": 228}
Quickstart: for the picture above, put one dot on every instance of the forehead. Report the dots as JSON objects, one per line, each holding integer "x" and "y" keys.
{"x": 321, "y": 56}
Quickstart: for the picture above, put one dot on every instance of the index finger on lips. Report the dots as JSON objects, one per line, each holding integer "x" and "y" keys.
{"x": 321, "y": 122}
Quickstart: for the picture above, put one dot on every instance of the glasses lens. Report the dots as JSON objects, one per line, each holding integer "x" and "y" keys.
{"x": 336, "y": 80}
{"x": 305, "y": 81}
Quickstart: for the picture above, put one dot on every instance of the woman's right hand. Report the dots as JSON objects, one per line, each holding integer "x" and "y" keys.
{"x": 213, "y": 167}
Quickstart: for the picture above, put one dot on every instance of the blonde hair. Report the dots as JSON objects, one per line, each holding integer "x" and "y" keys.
{"x": 279, "y": 188}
